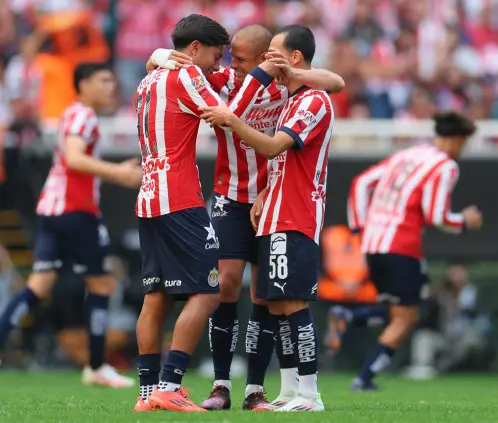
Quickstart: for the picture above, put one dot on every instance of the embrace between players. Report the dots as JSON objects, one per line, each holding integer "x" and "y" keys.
{"x": 269, "y": 104}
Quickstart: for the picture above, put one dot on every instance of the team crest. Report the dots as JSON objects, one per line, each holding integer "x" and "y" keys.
{"x": 213, "y": 278}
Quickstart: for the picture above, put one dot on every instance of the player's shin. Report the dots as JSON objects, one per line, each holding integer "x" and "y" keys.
{"x": 97, "y": 314}
{"x": 287, "y": 359}
{"x": 223, "y": 336}
{"x": 19, "y": 306}
{"x": 304, "y": 337}
{"x": 259, "y": 347}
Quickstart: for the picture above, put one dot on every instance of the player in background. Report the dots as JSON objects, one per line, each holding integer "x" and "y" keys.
{"x": 391, "y": 203}
{"x": 291, "y": 209}
{"x": 179, "y": 244}
{"x": 240, "y": 175}
{"x": 69, "y": 226}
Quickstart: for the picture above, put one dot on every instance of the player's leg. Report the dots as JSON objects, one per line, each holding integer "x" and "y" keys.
{"x": 41, "y": 281}
{"x": 156, "y": 307}
{"x": 399, "y": 280}
{"x": 292, "y": 261}
{"x": 188, "y": 248}
{"x": 87, "y": 241}
{"x": 340, "y": 318}
{"x": 259, "y": 346}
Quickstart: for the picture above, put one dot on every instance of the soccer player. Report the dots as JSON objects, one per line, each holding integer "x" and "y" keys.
{"x": 69, "y": 226}
{"x": 240, "y": 175}
{"x": 291, "y": 208}
{"x": 391, "y": 203}
{"x": 179, "y": 244}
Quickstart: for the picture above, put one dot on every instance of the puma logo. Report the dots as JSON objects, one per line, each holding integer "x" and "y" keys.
{"x": 277, "y": 285}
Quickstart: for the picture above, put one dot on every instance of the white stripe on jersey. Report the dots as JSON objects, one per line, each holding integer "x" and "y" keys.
{"x": 278, "y": 203}
{"x": 252, "y": 169}
{"x": 161, "y": 142}
{"x": 232, "y": 164}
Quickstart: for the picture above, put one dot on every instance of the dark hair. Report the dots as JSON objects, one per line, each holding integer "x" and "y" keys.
{"x": 86, "y": 70}
{"x": 200, "y": 28}
{"x": 299, "y": 37}
{"x": 453, "y": 124}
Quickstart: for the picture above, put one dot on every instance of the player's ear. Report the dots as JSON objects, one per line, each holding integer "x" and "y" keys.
{"x": 297, "y": 57}
{"x": 194, "y": 48}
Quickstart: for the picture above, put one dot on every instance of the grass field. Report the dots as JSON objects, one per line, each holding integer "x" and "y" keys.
{"x": 58, "y": 397}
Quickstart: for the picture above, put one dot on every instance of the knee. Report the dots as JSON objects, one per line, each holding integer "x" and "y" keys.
{"x": 41, "y": 284}
{"x": 230, "y": 285}
{"x": 104, "y": 285}
{"x": 255, "y": 300}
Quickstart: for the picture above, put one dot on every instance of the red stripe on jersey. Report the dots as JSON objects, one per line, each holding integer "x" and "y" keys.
{"x": 66, "y": 190}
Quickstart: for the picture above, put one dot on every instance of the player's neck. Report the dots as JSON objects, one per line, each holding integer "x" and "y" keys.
{"x": 87, "y": 102}
{"x": 294, "y": 85}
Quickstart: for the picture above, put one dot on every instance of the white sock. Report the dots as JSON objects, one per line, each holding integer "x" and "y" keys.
{"x": 308, "y": 386}
{"x": 167, "y": 386}
{"x": 226, "y": 383}
{"x": 289, "y": 381}
{"x": 251, "y": 389}
{"x": 145, "y": 391}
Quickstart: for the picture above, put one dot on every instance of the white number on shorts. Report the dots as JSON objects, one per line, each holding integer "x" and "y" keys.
{"x": 278, "y": 267}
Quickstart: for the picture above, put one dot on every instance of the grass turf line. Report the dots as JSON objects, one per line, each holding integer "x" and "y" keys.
{"x": 55, "y": 397}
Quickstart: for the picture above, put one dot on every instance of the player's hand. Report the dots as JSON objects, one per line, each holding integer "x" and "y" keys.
{"x": 130, "y": 173}
{"x": 256, "y": 210}
{"x": 270, "y": 69}
{"x": 216, "y": 115}
{"x": 285, "y": 72}
{"x": 472, "y": 217}
{"x": 168, "y": 59}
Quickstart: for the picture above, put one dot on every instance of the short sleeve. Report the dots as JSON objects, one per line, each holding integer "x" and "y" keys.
{"x": 307, "y": 116}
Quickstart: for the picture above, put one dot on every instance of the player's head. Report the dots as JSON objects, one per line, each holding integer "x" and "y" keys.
{"x": 296, "y": 43}
{"x": 452, "y": 130}
{"x": 248, "y": 47}
{"x": 202, "y": 39}
{"x": 95, "y": 84}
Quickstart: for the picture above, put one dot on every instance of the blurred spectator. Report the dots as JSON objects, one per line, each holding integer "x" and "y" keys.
{"x": 386, "y": 50}
{"x": 452, "y": 330}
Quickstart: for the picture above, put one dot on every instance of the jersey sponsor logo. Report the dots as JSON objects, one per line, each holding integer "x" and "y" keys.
{"x": 245, "y": 146}
{"x": 306, "y": 116}
{"x": 155, "y": 165}
{"x": 211, "y": 236}
{"x": 220, "y": 202}
{"x": 258, "y": 114}
{"x": 213, "y": 278}
{"x": 169, "y": 284}
{"x": 278, "y": 243}
{"x": 151, "y": 281}
{"x": 319, "y": 194}
{"x": 274, "y": 171}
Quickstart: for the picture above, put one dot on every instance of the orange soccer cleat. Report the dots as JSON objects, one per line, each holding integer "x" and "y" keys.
{"x": 174, "y": 401}
{"x": 141, "y": 405}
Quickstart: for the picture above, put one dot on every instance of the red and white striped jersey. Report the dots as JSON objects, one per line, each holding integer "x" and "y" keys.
{"x": 241, "y": 173}
{"x": 168, "y": 121}
{"x": 295, "y": 196}
{"x": 67, "y": 190}
{"x": 393, "y": 200}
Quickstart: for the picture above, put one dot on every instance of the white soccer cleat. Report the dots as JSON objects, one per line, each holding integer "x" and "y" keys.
{"x": 283, "y": 399}
{"x": 106, "y": 375}
{"x": 303, "y": 404}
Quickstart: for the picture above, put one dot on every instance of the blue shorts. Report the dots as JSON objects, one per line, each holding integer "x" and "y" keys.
{"x": 79, "y": 237}
{"x": 232, "y": 223}
{"x": 288, "y": 267}
{"x": 179, "y": 253}
{"x": 399, "y": 279}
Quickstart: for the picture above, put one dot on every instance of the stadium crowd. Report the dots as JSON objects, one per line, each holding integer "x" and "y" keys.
{"x": 399, "y": 58}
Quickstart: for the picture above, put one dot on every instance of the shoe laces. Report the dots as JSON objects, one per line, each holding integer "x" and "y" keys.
{"x": 216, "y": 388}
{"x": 184, "y": 392}
{"x": 260, "y": 396}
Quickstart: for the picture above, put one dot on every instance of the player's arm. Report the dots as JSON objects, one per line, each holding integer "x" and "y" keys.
{"x": 126, "y": 173}
{"x": 295, "y": 132}
{"x": 360, "y": 194}
{"x": 320, "y": 79}
{"x": 436, "y": 202}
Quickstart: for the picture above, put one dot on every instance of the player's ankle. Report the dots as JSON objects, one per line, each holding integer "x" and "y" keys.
{"x": 223, "y": 382}
{"x": 251, "y": 389}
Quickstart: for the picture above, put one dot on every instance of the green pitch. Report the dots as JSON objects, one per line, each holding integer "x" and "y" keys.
{"x": 58, "y": 397}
